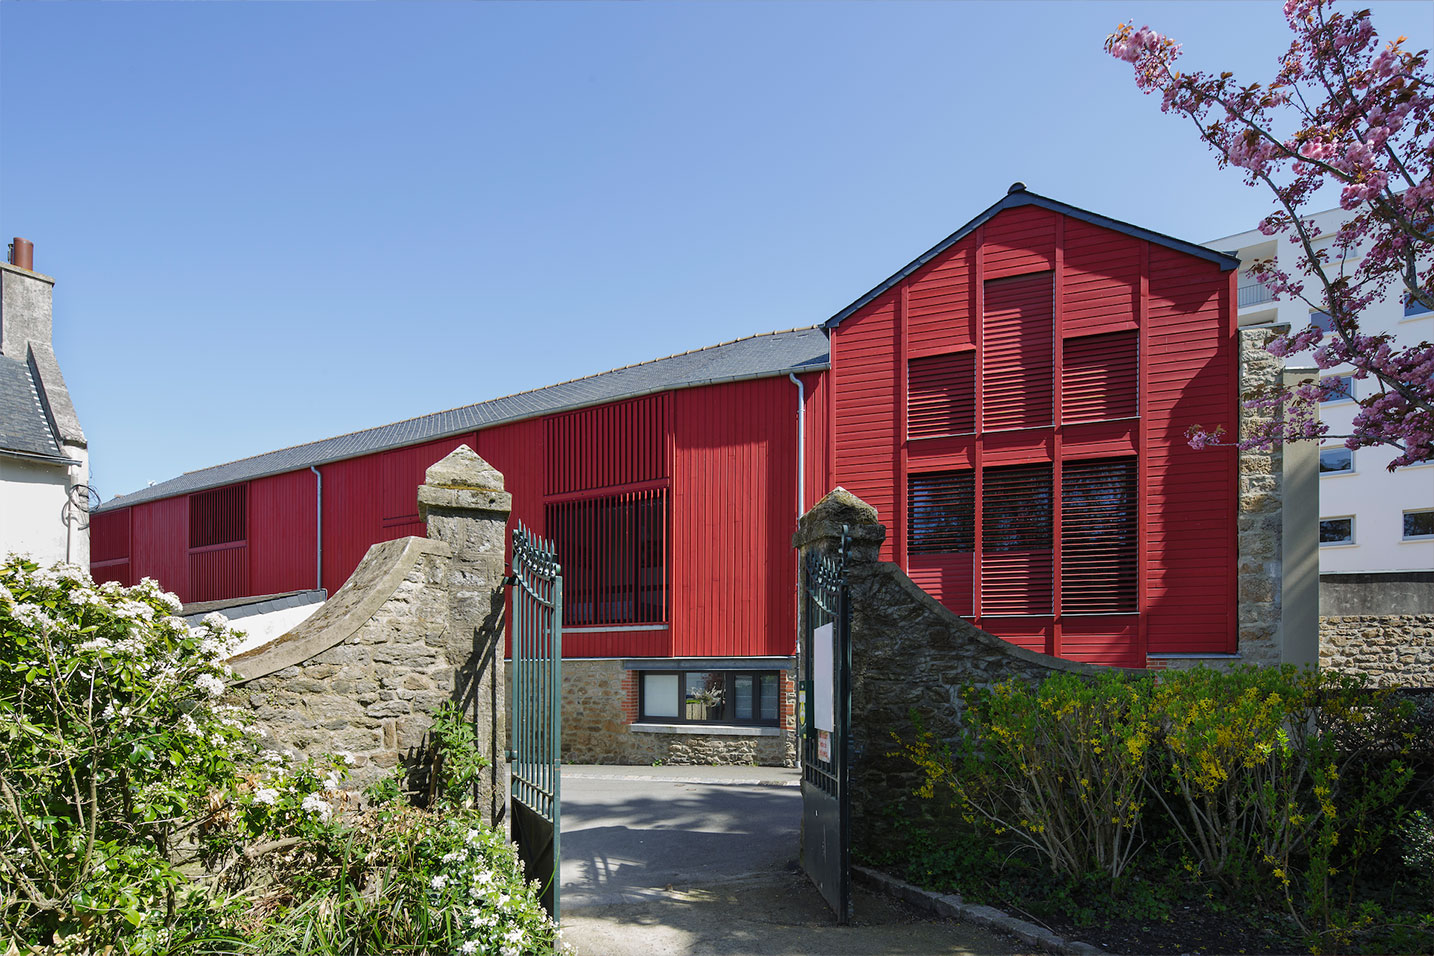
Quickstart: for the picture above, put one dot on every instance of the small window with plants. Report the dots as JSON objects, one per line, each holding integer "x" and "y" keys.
{"x": 710, "y": 697}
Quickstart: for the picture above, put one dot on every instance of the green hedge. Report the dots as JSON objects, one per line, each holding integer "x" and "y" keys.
{"x": 1268, "y": 787}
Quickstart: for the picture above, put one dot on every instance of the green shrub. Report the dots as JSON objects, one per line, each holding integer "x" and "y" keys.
{"x": 1063, "y": 769}
{"x": 1279, "y": 786}
{"x": 138, "y": 813}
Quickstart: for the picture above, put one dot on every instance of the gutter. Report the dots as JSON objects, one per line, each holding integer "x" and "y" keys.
{"x": 318, "y": 530}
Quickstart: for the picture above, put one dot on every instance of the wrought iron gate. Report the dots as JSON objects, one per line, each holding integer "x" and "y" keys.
{"x": 535, "y": 805}
{"x": 826, "y": 728}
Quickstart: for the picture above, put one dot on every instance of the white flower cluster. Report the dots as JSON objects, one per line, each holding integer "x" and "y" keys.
{"x": 210, "y": 684}
{"x": 490, "y": 911}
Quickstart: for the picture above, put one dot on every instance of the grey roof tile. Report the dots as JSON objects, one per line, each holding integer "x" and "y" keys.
{"x": 24, "y": 427}
{"x": 758, "y": 356}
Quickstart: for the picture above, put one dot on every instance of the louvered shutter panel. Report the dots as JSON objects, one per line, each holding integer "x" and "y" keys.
{"x": 1018, "y": 377}
{"x": 1099, "y": 378}
{"x": 219, "y": 516}
{"x": 941, "y": 395}
{"x": 941, "y": 510}
{"x": 1099, "y": 537}
{"x": 1017, "y": 568}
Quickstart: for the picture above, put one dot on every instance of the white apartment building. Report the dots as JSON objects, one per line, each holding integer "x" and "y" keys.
{"x": 1370, "y": 520}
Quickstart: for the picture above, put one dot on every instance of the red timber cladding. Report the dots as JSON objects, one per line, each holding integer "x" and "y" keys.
{"x": 109, "y": 547}
{"x": 357, "y": 499}
{"x": 1096, "y": 352}
{"x": 734, "y": 512}
{"x": 281, "y": 533}
{"x": 816, "y": 393}
{"x": 866, "y": 430}
{"x": 159, "y": 535}
{"x": 1190, "y": 533}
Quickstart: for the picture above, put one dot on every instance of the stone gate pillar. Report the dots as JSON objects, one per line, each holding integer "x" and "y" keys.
{"x": 463, "y": 503}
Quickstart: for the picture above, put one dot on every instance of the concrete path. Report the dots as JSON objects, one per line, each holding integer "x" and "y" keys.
{"x": 682, "y": 861}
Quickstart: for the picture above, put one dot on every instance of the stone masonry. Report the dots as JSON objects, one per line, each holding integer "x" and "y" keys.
{"x": 419, "y": 623}
{"x": 1390, "y": 649}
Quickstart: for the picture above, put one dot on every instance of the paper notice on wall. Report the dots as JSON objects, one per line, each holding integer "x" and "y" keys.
{"x": 824, "y": 746}
{"x": 823, "y": 678}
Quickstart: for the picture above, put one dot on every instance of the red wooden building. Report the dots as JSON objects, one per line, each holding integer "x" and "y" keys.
{"x": 1013, "y": 402}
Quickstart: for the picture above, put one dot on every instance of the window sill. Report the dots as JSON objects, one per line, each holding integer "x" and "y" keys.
{"x": 716, "y": 730}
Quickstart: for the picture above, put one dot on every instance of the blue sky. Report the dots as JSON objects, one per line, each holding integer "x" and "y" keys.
{"x": 275, "y": 222}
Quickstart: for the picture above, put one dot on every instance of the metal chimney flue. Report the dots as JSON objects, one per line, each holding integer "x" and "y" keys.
{"x": 22, "y": 253}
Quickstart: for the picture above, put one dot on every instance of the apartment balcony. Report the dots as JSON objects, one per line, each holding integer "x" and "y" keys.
{"x": 1254, "y": 293}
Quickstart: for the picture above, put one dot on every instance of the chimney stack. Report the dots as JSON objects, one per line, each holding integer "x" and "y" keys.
{"x": 22, "y": 254}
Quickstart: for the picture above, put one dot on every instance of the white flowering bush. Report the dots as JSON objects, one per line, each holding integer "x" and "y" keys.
{"x": 139, "y": 814}
{"x": 112, "y": 739}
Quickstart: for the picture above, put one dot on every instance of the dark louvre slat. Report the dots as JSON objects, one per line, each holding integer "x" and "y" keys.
{"x": 1017, "y": 565}
{"x": 941, "y": 510}
{"x": 1099, "y": 537}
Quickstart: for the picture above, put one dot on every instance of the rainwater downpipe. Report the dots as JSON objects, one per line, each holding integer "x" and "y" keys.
{"x": 801, "y": 443}
{"x": 318, "y": 531}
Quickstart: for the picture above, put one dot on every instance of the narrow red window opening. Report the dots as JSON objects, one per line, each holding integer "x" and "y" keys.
{"x": 218, "y": 517}
{"x": 613, "y": 552}
{"x": 941, "y": 395}
{"x": 1099, "y": 537}
{"x": 1017, "y": 562}
{"x": 1018, "y": 355}
{"x": 1099, "y": 377}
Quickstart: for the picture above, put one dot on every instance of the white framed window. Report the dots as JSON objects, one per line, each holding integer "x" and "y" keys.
{"x": 1340, "y": 388}
{"x": 1321, "y": 320}
{"x": 1336, "y": 531}
{"x": 1336, "y": 461}
{"x": 1419, "y": 524}
{"x": 1413, "y": 307}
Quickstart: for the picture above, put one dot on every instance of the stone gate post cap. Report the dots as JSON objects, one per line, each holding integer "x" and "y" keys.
{"x": 463, "y": 469}
{"x": 839, "y": 507}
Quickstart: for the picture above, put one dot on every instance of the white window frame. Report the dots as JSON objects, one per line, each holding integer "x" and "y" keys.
{"x": 1353, "y": 468}
{"x": 1415, "y": 537}
{"x": 1353, "y": 540}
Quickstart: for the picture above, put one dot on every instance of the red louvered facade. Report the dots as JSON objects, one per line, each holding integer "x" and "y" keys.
{"x": 1013, "y": 405}
{"x": 1015, "y": 408}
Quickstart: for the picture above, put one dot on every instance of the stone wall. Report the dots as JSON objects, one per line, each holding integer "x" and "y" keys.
{"x": 908, "y": 653}
{"x": 364, "y": 674}
{"x": 1392, "y": 649}
{"x": 600, "y": 724}
{"x": 418, "y": 623}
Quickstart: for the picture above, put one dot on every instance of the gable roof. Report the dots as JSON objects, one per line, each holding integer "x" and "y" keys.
{"x": 25, "y": 428}
{"x": 1016, "y": 196}
{"x": 757, "y": 356}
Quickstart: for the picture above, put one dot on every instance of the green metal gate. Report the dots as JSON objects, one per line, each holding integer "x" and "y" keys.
{"x": 535, "y": 805}
{"x": 826, "y": 728}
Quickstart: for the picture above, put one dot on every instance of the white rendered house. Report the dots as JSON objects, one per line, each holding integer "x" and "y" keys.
{"x": 44, "y": 461}
{"x": 1370, "y": 520}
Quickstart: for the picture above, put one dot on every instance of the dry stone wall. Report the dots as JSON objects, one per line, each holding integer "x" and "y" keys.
{"x": 419, "y": 623}
{"x": 364, "y": 675}
{"x": 1390, "y": 649}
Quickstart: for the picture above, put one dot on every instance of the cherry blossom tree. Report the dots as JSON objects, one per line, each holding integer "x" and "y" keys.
{"x": 1343, "y": 109}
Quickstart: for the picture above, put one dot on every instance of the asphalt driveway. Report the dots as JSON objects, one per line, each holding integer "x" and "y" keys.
{"x": 672, "y": 861}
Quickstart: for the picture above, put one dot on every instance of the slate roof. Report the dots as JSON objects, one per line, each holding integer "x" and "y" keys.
{"x": 757, "y": 356}
{"x": 1018, "y": 195}
{"x": 24, "y": 427}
